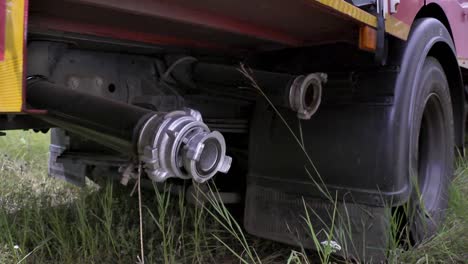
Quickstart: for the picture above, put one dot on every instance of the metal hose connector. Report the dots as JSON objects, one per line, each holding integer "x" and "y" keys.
{"x": 305, "y": 94}
{"x": 178, "y": 144}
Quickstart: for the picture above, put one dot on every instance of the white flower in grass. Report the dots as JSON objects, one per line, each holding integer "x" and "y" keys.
{"x": 16, "y": 247}
{"x": 332, "y": 244}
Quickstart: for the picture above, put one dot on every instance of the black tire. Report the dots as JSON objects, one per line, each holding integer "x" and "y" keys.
{"x": 432, "y": 147}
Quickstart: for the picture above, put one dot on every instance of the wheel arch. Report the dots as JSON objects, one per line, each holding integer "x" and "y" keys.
{"x": 445, "y": 53}
{"x": 435, "y": 11}
{"x": 428, "y": 38}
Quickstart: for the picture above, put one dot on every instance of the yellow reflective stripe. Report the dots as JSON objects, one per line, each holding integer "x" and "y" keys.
{"x": 393, "y": 26}
{"x": 11, "y": 68}
{"x": 397, "y": 28}
{"x": 350, "y": 10}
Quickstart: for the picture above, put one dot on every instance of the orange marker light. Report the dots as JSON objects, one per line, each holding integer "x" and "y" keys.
{"x": 367, "y": 38}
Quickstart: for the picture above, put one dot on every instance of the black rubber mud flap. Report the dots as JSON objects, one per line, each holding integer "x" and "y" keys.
{"x": 282, "y": 217}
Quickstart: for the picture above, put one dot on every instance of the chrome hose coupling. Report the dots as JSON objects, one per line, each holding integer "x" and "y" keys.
{"x": 178, "y": 144}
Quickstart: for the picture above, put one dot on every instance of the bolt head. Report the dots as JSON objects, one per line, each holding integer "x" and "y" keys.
{"x": 73, "y": 82}
{"x": 98, "y": 82}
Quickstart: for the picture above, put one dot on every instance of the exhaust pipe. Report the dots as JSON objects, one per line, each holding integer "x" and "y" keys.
{"x": 175, "y": 144}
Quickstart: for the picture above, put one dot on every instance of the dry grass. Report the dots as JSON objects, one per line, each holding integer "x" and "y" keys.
{"x": 43, "y": 220}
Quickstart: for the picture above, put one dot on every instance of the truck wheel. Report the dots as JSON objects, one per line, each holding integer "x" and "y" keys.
{"x": 432, "y": 145}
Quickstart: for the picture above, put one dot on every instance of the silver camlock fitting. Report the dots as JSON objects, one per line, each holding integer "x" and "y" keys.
{"x": 305, "y": 94}
{"x": 178, "y": 144}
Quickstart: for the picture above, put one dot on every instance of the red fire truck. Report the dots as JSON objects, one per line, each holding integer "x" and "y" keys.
{"x": 352, "y": 105}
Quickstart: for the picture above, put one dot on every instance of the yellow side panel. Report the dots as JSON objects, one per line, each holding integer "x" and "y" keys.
{"x": 11, "y": 67}
{"x": 392, "y": 25}
{"x": 351, "y": 11}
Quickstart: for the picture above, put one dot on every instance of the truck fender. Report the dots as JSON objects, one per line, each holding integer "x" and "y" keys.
{"x": 428, "y": 37}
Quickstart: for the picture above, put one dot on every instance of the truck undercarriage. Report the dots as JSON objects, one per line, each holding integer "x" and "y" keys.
{"x": 340, "y": 113}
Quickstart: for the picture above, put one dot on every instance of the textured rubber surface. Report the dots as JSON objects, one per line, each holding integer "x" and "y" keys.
{"x": 360, "y": 230}
{"x": 432, "y": 150}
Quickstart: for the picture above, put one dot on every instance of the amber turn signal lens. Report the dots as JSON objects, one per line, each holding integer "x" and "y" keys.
{"x": 367, "y": 38}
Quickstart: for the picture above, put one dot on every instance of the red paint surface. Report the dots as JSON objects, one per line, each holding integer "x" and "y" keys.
{"x": 453, "y": 9}
{"x": 227, "y": 24}
{"x": 118, "y": 33}
{"x": 458, "y": 20}
{"x": 197, "y": 13}
{"x": 407, "y": 10}
{"x": 2, "y": 28}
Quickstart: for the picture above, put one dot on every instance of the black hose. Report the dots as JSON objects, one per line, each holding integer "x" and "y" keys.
{"x": 106, "y": 121}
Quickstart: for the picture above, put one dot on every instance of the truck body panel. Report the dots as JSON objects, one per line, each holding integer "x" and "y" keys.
{"x": 258, "y": 25}
{"x": 456, "y": 13}
{"x": 228, "y": 27}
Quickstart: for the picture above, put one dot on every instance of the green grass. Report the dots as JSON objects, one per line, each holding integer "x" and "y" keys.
{"x": 44, "y": 220}
{"x": 450, "y": 245}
